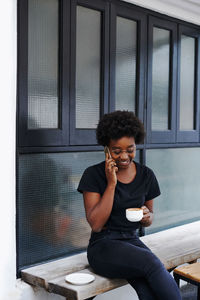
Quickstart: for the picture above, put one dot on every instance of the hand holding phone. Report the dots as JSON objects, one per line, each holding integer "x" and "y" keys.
{"x": 110, "y": 168}
{"x": 106, "y": 150}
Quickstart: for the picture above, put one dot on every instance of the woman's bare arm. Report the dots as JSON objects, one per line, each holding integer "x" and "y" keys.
{"x": 97, "y": 208}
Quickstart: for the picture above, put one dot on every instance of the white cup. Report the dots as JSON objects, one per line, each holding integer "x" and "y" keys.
{"x": 134, "y": 214}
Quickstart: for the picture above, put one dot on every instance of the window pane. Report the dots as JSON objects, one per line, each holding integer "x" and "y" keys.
{"x": 51, "y": 215}
{"x": 50, "y": 210}
{"x": 177, "y": 171}
{"x": 43, "y": 64}
{"x": 126, "y": 51}
{"x": 187, "y": 72}
{"x": 88, "y": 67}
{"x": 160, "y": 79}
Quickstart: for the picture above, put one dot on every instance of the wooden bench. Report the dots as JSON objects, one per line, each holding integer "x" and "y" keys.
{"x": 174, "y": 247}
{"x": 189, "y": 273}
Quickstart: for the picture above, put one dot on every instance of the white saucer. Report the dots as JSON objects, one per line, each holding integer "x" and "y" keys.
{"x": 79, "y": 278}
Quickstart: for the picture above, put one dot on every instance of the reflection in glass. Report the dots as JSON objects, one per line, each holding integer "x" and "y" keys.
{"x": 160, "y": 79}
{"x": 51, "y": 213}
{"x": 88, "y": 55}
{"x": 50, "y": 210}
{"x": 126, "y": 56}
{"x": 187, "y": 77}
{"x": 177, "y": 171}
{"x": 43, "y": 64}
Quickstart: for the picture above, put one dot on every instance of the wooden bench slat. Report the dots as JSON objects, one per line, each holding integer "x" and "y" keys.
{"x": 98, "y": 286}
{"x": 190, "y": 271}
{"x": 41, "y": 274}
{"x": 177, "y": 245}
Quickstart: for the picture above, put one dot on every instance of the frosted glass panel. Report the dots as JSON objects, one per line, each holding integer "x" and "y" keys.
{"x": 51, "y": 215}
{"x": 126, "y": 51}
{"x": 177, "y": 171}
{"x": 88, "y": 67}
{"x": 160, "y": 79}
{"x": 43, "y": 64}
{"x": 50, "y": 210}
{"x": 187, "y": 72}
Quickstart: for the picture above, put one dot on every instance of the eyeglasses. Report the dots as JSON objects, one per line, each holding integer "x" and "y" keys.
{"x": 128, "y": 151}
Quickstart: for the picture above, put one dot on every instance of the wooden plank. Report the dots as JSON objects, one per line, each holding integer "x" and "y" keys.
{"x": 71, "y": 292}
{"x": 190, "y": 271}
{"x": 40, "y": 275}
{"x": 177, "y": 245}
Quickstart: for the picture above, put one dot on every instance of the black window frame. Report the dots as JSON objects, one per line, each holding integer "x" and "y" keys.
{"x": 43, "y": 137}
{"x": 167, "y": 136}
{"x": 131, "y": 14}
{"x": 67, "y": 138}
{"x": 88, "y": 136}
{"x": 189, "y": 136}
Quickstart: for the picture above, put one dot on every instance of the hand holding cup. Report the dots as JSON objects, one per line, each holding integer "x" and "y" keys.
{"x": 147, "y": 216}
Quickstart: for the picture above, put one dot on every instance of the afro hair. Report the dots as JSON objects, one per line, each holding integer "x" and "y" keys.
{"x": 118, "y": 124}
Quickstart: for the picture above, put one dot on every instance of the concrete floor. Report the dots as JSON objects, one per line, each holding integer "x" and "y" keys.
{"x": 189, "y": 292}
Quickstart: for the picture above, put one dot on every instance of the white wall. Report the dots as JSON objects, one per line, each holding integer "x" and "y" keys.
{"x": 7, "y": 149}
{"x": 10, "y": 288}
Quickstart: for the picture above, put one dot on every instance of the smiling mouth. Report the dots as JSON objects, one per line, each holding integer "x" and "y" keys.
{"x": 124, "y": 163}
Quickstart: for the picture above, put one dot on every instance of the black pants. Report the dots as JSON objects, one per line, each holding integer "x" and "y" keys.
{"x": 115, "y": 254}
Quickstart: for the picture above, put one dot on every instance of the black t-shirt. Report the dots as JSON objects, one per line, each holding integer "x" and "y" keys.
{"x": 144, "y": 187}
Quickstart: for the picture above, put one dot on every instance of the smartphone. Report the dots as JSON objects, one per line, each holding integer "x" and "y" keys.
{"x": 106, "y": 150}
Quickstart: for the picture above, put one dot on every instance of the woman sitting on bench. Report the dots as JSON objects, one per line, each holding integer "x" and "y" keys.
{"x": 109, "y": 188}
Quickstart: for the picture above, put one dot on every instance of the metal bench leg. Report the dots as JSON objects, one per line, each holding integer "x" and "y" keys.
{"x": 176, "y": 278}
{"x": 198, "y": 293}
